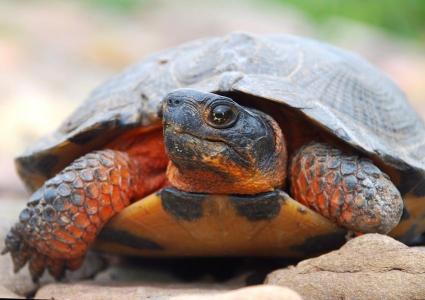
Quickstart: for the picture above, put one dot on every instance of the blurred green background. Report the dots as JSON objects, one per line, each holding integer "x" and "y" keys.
{"x": 405, "y": 18}
{"x": 53, "y": 53}
{"x": 402, "y": 17}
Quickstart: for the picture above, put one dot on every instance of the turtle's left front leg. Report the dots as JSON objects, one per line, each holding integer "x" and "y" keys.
{"x": 347, "y": 189}
{"x": 63, "y": 218}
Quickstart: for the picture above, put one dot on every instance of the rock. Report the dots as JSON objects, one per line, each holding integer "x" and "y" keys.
{"x": 122, "y": 272}
{"x": 137, "y": 280}
{"x": 419, "y": 248}
{"x": 93, "y": 290}
{"x": 6, "y": 294}
{"x": 371, "y": 266}
{"x": 20, "y": 283}
{"x": 249, "y": 293}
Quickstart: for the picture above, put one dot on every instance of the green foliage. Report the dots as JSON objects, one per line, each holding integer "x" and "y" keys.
{"x": 115, "y": 5}
{"x": 403, "y": 17}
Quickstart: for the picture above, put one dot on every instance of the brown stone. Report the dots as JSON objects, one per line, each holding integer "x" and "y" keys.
{"x": 248, "y": 293}
{"x": 6, "y": 294}
{"x": 371, "y": 266}
{"x": 93, "y": 290}
{"x": 136, "y": 282}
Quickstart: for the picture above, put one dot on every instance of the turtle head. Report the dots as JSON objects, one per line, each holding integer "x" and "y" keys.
{"x": 218, "y": 146}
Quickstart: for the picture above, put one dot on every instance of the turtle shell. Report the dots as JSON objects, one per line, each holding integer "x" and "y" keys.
{"x": 333, "y": 89}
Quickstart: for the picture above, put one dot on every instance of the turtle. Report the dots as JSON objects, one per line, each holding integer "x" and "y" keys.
{"x": 240, "y": 145}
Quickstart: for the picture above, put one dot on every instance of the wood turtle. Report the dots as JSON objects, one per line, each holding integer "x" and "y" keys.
{"x": 243, "y": 145}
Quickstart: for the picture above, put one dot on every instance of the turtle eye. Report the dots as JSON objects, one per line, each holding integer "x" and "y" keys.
{"x": 222, "y": 115}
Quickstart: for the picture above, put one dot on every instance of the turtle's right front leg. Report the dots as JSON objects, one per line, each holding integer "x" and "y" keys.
{"x": 346, "y": 188}
{"x": 64, "y": 216}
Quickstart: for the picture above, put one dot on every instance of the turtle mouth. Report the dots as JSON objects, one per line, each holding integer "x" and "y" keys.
{"x": 182, "y": 145}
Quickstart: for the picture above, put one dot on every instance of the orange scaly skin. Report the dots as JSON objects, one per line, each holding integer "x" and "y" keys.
{"x": 64, "y": 216}
{"x": 347, "y": 189}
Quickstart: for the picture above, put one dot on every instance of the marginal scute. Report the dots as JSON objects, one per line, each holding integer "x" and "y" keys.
{"x": 127, "y": 239}
{"x": 85, "y": 137}
{"x": 258, "y": 207}
{"x": 180, "y": 207}
{"x": 46, "y": 163}
{"x": 321, "y": 243}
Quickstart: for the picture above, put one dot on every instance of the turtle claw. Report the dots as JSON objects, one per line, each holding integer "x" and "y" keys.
{"x": 13, "y": 240}
{"x": 57, "y": 268}
{"x": 19, "y": 250}
{"x": 19, "y": 260}
{"x": 22, "y": 254}
{"x": 38, "y": 263}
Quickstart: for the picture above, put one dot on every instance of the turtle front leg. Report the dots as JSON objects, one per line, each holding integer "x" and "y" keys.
{"x": 347, "y": 189}
{"x": 64, "y": 216}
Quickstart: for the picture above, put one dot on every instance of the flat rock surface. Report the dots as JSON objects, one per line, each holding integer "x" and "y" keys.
{"x": 7, "y": 294}
{"x": 140, "y": 279}
{"x": 371, "y": 266}
{"x": 92, "y": 290}
{"x": 249, "y": 293}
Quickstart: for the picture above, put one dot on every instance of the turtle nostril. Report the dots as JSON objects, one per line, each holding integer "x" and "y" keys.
{"x": 174, "y": 102}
